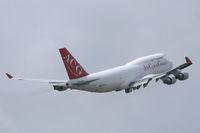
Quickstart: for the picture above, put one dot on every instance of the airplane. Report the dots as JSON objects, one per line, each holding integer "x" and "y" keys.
{"x": 128, "y": 77}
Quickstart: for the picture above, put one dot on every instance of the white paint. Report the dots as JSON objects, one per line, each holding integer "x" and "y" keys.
{"x": 121, "y": 77}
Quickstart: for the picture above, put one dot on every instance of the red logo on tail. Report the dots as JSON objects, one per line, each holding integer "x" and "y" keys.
{"x": 74, "y": 69}
{"x": 72, "y": 65}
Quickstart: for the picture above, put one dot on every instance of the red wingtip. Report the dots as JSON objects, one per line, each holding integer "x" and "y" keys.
{"x": 188, "y": 60}
{"x": 9, "y": 76}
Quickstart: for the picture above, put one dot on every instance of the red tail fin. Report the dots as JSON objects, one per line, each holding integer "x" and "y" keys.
{"x": 74, "y": 69}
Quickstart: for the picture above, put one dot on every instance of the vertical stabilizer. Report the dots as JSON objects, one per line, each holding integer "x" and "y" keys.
{"x": 73, "y": 68}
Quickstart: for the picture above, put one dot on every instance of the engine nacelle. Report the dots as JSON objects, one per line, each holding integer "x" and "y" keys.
{"x": 169, "y": 80}
{"x": 129, "y": 90}
{"x": 59, "y": 88}
{"x": 182, "y": 76}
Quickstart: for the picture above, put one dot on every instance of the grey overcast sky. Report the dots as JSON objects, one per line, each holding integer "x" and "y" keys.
{"x": 101, "y": 34}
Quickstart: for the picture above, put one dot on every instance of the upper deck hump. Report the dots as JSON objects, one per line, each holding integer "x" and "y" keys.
{"x": 146, "y": 58}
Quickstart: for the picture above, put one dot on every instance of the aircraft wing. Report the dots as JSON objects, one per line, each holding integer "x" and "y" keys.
{"x": 51, "y": 82}
{"x": 145, "y": 80}
{"x": 183, "y": 66}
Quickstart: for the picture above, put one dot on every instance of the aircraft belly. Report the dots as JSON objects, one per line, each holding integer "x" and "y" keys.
{"x": 100, "y": 86}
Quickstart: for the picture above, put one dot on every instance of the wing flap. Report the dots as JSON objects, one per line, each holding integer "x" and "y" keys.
{"x": 147, "y": 79}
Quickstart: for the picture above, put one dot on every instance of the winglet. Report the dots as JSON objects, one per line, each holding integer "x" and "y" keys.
{"x": 188, "y": 60}
{"x": 9, "y": 76}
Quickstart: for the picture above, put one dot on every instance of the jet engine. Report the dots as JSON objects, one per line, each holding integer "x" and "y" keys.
{"x": 129, "y": 90}
{"x": 59, "y": 88}
{"x": 169, "y": 80}
{"x": 182, "y": 76}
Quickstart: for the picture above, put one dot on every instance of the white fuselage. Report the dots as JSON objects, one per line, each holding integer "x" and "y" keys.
{"x": 121, "y": 77}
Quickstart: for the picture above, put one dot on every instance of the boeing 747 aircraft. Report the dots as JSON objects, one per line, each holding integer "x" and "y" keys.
{"x": 128, "y": 77}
